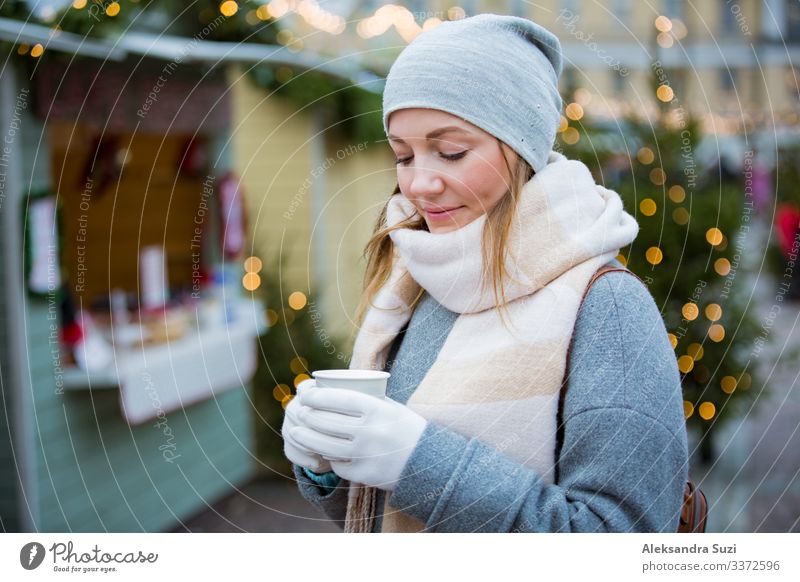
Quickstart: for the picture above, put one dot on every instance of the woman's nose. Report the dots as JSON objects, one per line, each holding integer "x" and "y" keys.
{"x": 425, "y": 181}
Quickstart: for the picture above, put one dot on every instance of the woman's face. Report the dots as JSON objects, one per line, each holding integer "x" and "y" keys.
{"x": 452, "y": 171}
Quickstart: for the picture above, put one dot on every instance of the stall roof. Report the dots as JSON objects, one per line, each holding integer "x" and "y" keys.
{"x": 180, "y": 49}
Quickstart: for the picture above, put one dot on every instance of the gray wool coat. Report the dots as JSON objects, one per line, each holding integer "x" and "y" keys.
{"x": 624, "y": 460}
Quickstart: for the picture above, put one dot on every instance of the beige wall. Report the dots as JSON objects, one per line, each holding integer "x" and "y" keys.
{"x": 276, "y": 158}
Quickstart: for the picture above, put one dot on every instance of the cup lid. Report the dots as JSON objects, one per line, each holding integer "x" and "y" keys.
{"x": 350, "y": 374}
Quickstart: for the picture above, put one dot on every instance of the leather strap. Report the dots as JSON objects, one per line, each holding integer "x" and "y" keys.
{"x": 694, "y": 511}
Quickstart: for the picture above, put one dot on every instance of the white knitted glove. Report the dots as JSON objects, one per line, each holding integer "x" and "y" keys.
{"x": 293, "y": 451}
{"x": 369, "y": 438}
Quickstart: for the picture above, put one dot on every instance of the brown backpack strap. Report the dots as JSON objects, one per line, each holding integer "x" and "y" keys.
{"x": 694, "y": 511}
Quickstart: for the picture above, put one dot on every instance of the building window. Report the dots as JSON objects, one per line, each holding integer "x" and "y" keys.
{"x": 673, "y": 8}
{"x": 619, "y": 83}
{"x": 792, "y": 20}
{"x": 727, "y": 80}
{"x": 622, "y": 11}
{"x": 727, "y": 18}
{"x": 572, "y": 6}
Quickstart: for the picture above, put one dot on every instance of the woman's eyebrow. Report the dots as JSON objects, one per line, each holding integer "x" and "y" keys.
{"x": 435, "y": 133}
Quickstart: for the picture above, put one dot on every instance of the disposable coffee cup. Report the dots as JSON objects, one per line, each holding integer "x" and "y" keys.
{"x": 372, "y": 382}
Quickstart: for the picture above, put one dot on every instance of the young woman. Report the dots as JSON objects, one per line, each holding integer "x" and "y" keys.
{"x": 473, "y": 301}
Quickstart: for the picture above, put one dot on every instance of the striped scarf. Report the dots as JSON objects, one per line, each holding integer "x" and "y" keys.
{"x": 496, "y": 380}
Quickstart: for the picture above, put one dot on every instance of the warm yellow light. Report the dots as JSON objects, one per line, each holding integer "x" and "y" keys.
{"x": 680, "y": 216}
{"x": 78, "y": 4}
{"x": 37, "y": 50}
{"x": 665, "y": 93}
{"x": 673, "y": 340}
{"x": 113, "y": 9}
{"x": 688, "y": 408}
{"x": 622, "y": 259}
{"x": 690, "y": 311}
{"x": 262, "y": 12}
{"x": 286, "y": 400}
{"x": 744, "y": 381}
{"x": 654, "y": 255}
{"x": 278, "y": 8}
{"x": 645, "y": 156}
{"x": 663, "y": 24}
{"x": 728, "y": 384}
{"x": 714, "y": 236}
{"x": 281, "y": 391}
{"x": 300, "y": 378}
{"x": 695, "y": 351}
{"x": 722, "y": 266}
{"x": 648, "y": 207}
{"x": 658, "y": 176}
{"x": 583, "y": 96}
{"x": 716, "y": 333}
{"x": 252, "y": 265}
{"x": 574, "y": 111}
{"x": 297, "y": 300}
{"x": 685, "y": 364}
{"x": 229, "y": 8}
{"x": 713, "y": 312}
{"x": 707, "y": 410}
{"x": 251, "y": 281}
{"x": 272, "y": 317}
{"x": 677, "y": 194}
{"x": 571, "y": 136}
{"x": 665, "y": 40}
{"x": 456, "y": 13}
{"x": 23, "y": 49}
{"x": 564, "y": 124}
{"x": 298, "y": 365}
{"x": 430, "y": 23}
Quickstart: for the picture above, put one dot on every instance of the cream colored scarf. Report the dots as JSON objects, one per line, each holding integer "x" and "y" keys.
{"x": 497, "y": 384}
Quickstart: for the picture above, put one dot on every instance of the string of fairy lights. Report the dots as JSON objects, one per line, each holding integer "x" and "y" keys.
{"x": 402, "y": 20}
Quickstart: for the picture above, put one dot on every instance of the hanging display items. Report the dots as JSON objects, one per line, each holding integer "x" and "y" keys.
{"x": 234, "y": 222}
{"x": 42, "y": 260}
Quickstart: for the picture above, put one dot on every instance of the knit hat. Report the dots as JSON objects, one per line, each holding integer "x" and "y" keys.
{"x": 497, "y": 72}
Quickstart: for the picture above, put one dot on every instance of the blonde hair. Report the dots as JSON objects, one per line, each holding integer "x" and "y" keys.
{"x": 379, "y": 251}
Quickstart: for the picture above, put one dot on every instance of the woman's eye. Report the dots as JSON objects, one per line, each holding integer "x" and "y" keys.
{"x": 457, "y": 156}
{"x": 403, "y": 161}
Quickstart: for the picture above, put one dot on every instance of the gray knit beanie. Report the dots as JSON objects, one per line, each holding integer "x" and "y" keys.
{"x": 497, "y": 72}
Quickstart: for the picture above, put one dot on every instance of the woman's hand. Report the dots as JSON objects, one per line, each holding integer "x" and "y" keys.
{"x": 293, "y": 451}
{"x": 368, "y": 439}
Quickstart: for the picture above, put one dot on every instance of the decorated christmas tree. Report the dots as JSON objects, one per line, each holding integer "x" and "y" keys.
{"x": 694, "y": 232}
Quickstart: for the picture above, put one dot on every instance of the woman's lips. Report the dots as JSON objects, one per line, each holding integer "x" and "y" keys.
{"x": 444, "y": 214}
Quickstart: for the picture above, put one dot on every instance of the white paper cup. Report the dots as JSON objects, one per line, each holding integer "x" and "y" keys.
{"x": 372, "y": 382}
